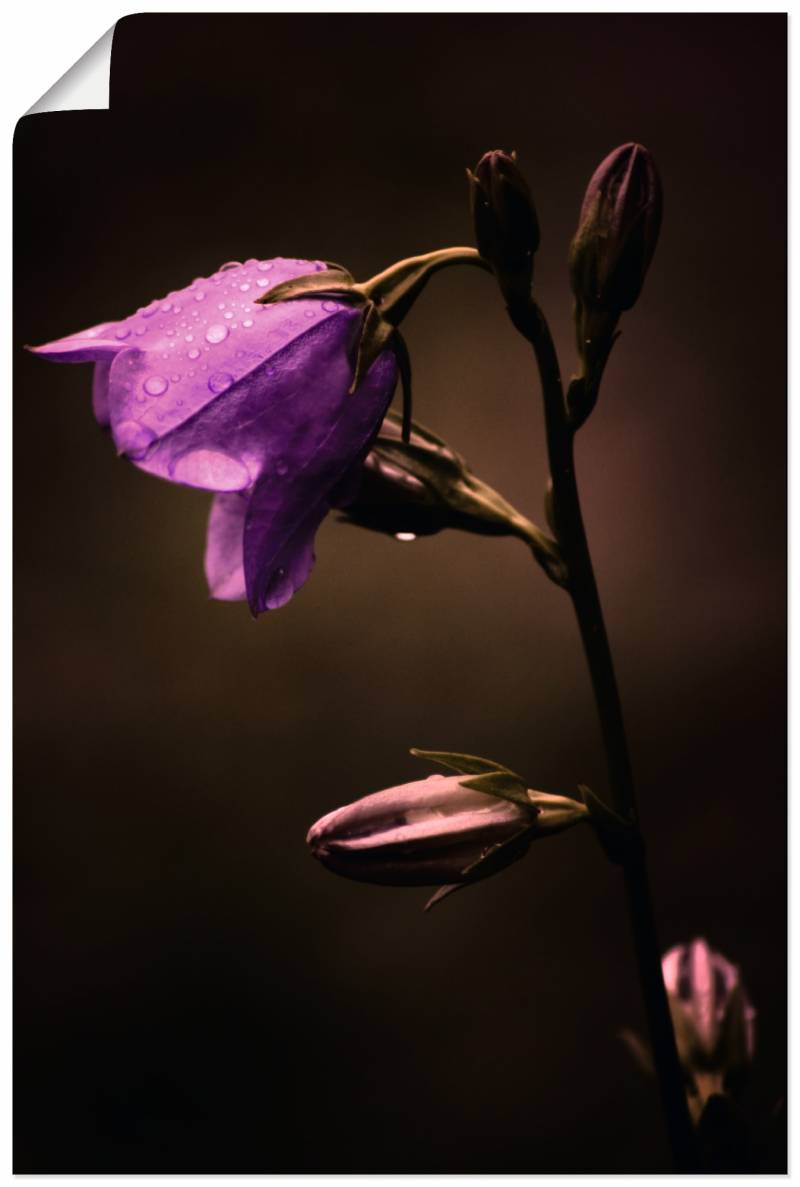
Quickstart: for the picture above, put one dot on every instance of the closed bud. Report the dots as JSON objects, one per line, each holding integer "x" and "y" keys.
{"x": 617, "y": 231}
{"x": 713, "y": 1020}
{"x": 443, "y": 831}
{"x": 419, "y": 487}
{"x": 506, "y": 226}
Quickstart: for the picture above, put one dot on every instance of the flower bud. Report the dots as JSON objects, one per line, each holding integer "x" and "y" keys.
{"x": 617, "y": 231}
{"x": 420, "y": 487}
{"x": 713, "y": 1020}
{"x": 441, "y": 831}
{"x": 506, "y": 226}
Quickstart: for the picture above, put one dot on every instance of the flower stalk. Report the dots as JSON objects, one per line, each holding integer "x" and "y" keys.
{"x": 582, "y": 588}
{"x": 603, "y": 242}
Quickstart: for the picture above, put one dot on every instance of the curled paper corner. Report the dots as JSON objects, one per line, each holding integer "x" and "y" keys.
{"x": 85, "y": 85}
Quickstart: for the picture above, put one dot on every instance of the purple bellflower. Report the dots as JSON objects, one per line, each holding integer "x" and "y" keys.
{"x": 211, "y": 389}
{"x": 445, "y": 831}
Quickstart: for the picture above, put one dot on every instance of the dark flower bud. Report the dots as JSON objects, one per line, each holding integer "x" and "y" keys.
{"x": 419, "y": 487}
{"x": 506, "y": 226}
{"x": 617, "y": 231}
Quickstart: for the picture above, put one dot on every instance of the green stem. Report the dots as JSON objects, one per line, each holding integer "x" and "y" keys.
{"x": 396, "y": 289}
{"x": 582, "y": 587}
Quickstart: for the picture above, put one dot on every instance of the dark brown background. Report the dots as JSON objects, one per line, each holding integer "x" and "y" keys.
{"x": 193, "y": 992}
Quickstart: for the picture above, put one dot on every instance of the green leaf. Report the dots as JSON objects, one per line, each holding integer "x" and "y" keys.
{"x": 504, "y": 785}
{"x": 464, "y": 764}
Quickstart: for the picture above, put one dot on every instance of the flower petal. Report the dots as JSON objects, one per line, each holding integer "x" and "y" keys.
{"x": 89, "y": 346}
{"x": 224, "y": 563}
{"x": 235, "y": 401}
{"x": 323, "y": 432}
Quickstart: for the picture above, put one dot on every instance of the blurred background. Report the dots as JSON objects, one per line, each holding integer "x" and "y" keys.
{"x": 193, "y": 992}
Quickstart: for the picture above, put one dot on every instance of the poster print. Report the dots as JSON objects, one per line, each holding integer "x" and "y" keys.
{"x": 193, "y": 992}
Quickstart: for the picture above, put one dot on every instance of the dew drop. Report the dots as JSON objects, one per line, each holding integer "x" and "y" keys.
{"x": 189, "y": 338}
{"x": 243, "y": 288}
{"x": 150, "y": 309}
{"x": 405, "y": 537}
{"x": 230, "y": 264}
{"x": 175, "y": 378}
{"x": 263, "y": 281}
{"x": 330, "y": 306}
{"x": 265, "y": 266}
{"x": 216, "y": 333}
{"x": 123, "y": 332}
{"x": 194, "y": 353}
{"x": 311, "y": 313}
{"x": 247, "y": 323}
{"x": 156, "y": 385}
{"x": 220, "y": 381}
{"x": 199, "y": 295}
{"x": 165, "y": 308}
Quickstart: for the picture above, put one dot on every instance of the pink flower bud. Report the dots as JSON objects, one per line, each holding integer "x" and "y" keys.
{"x": 713, "y": 1019}
{"x": 435, "y": 832}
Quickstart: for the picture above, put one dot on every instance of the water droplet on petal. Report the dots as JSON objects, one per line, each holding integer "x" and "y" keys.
{"x": 311, "y": 313}
{"x": 230, "y": 264}
{"x": 331, "y": 306}
{"x": 265, "y": 266}
{"x": 133, "y": 438}
{"x": 194, "y": 353}
{"x": 405, "y": 537}
{"x": 216, "y": 333}
{"x": 243, "y": 288}
{"x": 123, "y": 332}
{"x": 165, "y": 308}
{"x": 150, "y": 309}
{"x": 263, "y": 281}
{"x": 220, "y": 381}
{"x": 247, "y": 323}
{"x": 228, "y": 315}
{"x": 200, "y": 295}
{"x": 175, "y": 378}
{"x": 189, "y": 338}
{"x": 211, "y": 470}
{"x": 156, "y": 385}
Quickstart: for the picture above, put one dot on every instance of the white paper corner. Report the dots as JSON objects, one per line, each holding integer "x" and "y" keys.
{"x": 85, "y": 85}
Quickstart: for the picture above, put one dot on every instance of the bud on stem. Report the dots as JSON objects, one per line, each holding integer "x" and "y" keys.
{"x": 506, "y": 226}
{"x": 616, "y": 237}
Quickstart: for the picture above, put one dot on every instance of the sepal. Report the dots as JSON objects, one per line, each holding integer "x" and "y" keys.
{"x": 462, "y": 764}
{"x": 504, "y": 786}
